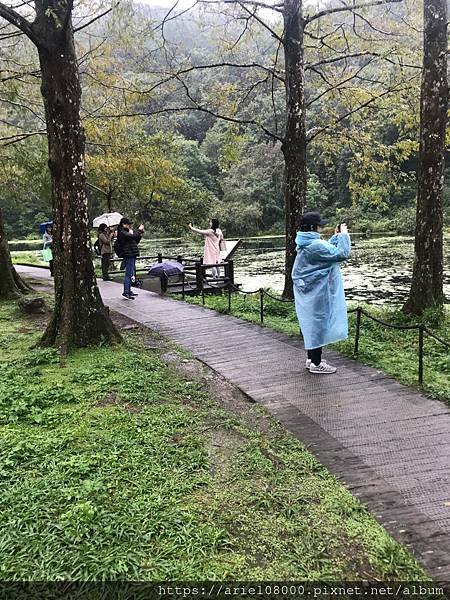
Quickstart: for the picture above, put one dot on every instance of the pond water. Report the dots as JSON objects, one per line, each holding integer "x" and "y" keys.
{"x": 378, "y": 271}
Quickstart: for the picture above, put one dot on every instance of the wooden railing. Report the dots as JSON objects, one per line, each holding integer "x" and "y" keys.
{"x": 196, "y": 268}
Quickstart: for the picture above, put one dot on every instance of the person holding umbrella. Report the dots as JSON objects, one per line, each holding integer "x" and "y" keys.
{"x": 126, "y": 247}
{"x": 319, "y": 290}
{"x": 105, "y": 237}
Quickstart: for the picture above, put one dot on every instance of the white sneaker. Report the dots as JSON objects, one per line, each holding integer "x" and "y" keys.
{"x": 322, "y": 369}
{"x": 308, "y": 363}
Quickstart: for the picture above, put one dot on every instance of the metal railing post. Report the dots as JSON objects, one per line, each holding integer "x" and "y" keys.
{"x": 229, "y": 298}
{"x": 421, "y": 339}
{"x": 231, "y": 271}
{"x": 203, "y": 295}
{"x": 182, "y": 288}
{"x": 160, "y": 259}
{"x": 261, "y": 304}
{"x": 358, "y": 329}
{"x": 198, "y": 276}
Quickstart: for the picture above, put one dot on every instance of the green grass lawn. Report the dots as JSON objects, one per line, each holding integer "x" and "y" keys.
{"x": 30, "y": 257}
{"x": 34, "y": 257}
{"x": 115, "y": 466}
{"x": 392, "y": 351}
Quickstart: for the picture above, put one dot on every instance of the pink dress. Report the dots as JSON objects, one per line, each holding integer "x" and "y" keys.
{"x": 211, "y": 253}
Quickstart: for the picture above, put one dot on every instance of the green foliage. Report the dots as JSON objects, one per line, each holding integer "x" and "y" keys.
{"x": 404, "y": 220}
{"x": 25, "y": 188}
{"x": 161, "y": 178}
{"x": 115, "y": 467}
{"x": 316, "y": 193}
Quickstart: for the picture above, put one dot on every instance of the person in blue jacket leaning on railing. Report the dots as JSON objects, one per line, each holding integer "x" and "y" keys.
{"x": 318, "y": 288}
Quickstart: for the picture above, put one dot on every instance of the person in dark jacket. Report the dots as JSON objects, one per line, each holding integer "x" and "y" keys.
{"x": 128, "y": 241}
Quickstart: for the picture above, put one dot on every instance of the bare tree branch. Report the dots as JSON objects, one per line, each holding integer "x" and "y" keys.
{"x": 94, "y": 187}
{"x": 20, "y": 137}
{"x": 272, "y": 87}
{"x": 328, "y": 61}
{"x": 260, "y": 21}
{"x": 24, "y": 107}
{"x": 196, "y": 107}
{"x": 338, "y": 9}
{"x": 317, "y": 131}
{"x": 226, "y": 117}
{"x": 18, "y": 76}
{"x": 16, "y": 19}
{"x": 241, "y": 35}
{"x": 277, "y": 7}
{"x": 97, "y": 17}
{"x": 372, "y": 26}
{"x": 335, "y": 87}
{"x": 252, "y": 65}
{"x": 11, "y": 35}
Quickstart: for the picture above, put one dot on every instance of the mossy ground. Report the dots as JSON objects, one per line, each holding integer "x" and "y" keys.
{"x": 116, "y": 466}
{"x": 392, "y": 351}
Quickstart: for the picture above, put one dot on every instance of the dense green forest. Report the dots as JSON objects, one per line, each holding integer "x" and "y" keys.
{"x": 158, "y": 149}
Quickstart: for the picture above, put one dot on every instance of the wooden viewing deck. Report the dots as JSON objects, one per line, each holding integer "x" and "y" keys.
{"x": 387, "y": 443}
{"x": 193, "y": 281}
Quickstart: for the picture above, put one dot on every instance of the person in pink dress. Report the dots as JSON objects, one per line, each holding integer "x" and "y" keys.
{"x": 213, "y": 237}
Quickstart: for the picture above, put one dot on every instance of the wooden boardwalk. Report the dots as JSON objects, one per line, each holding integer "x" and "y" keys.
{"x": 389, "y": 444}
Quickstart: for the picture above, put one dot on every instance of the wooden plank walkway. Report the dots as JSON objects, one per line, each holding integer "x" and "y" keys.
{"x": 389, "y": 444}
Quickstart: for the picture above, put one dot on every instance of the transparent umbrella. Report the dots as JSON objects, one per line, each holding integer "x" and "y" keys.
{"x": 110, "y": 219}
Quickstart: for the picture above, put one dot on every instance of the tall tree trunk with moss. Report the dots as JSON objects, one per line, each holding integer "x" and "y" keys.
{"x": 427, "y": 281}
{"x": 11, "y": 284}
{"x": 80, "y": 317}
{"x": 294, "y": 144}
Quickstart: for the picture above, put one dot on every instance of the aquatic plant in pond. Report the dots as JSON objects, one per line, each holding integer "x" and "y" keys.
{"x": 379, "y": 270}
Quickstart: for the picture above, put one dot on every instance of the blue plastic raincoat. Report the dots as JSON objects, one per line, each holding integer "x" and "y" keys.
{"x": 318, "y": 288}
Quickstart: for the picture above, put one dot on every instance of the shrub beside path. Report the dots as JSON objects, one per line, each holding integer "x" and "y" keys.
{"x": 387, "y": 443}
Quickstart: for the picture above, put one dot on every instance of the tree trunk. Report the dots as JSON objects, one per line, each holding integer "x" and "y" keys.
{"x": 80, "y": 317}
{"x": 11, "y": 285}
{"x": 294, "y": 145}
{"x": 427, "y": 280}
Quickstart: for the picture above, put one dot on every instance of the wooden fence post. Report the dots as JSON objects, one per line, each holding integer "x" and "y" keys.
{"x": 198, "y": 276}
{"x": 231, "y": 271}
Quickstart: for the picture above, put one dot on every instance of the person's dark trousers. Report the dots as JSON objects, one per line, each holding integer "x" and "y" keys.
{"x": 130, "y": 266}
{"x": 106, "y": 259}
{"x": 50, "y": 266}
{"x": 315, "y": 355}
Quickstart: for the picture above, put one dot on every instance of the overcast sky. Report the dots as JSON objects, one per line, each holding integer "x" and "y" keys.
{"x": 182, "y": 4}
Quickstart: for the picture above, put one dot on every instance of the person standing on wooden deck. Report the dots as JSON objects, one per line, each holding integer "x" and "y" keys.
{"x": 319, "y": 289}
{"x": 214, "y": 242}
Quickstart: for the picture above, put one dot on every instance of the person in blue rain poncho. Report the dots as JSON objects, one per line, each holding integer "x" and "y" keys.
{"x": 319, "y": 290}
